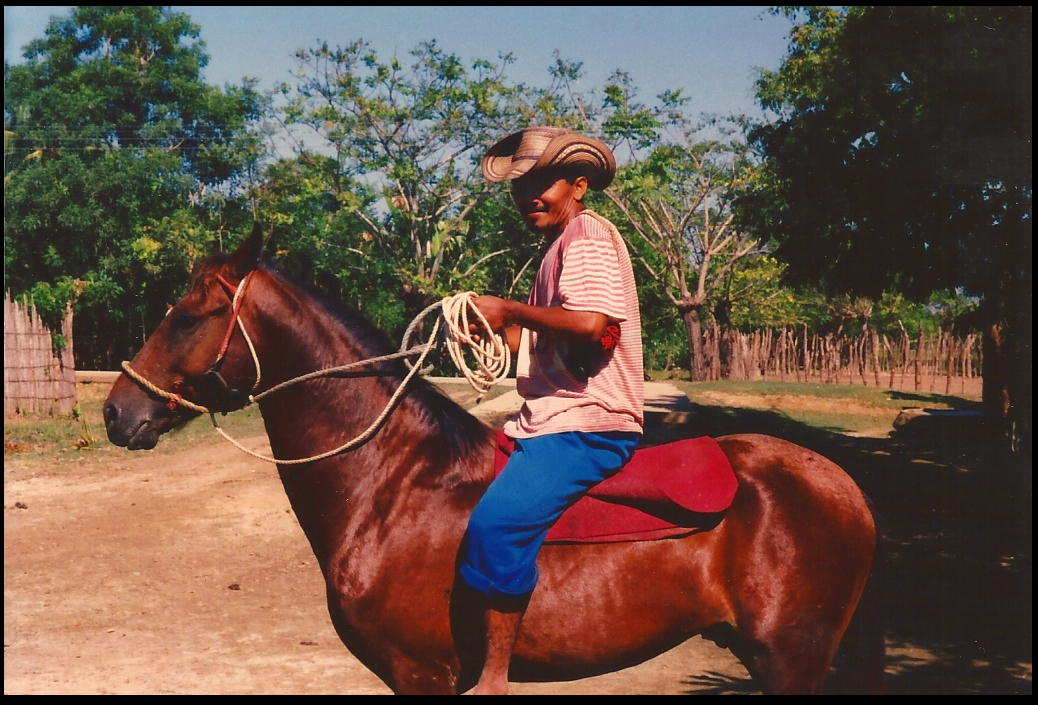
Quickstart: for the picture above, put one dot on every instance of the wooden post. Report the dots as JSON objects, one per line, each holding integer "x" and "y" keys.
{"x": 905, "y": 345}
{"x": 807, "y": 356}
{"x": 862, "y": 357}
{"x": 889, "y": 349}
{"x": 874, "y": 344}
{"x": 939, "y": 346}
{"x": 918, "y": 360}
{"x": 964, "y": 354}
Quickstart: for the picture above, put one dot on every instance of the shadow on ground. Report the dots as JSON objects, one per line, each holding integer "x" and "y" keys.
{"x": 955, "y": 512}
{"x": 924, "y": 399}
{"x": 712, "y": 683}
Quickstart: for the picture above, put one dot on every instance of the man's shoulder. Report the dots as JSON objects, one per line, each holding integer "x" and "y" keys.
{"x": 597, "y": 219}
{"x": 588, "y": 225}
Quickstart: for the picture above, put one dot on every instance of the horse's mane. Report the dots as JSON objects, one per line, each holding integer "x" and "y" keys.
{"x": 463, "y": 433}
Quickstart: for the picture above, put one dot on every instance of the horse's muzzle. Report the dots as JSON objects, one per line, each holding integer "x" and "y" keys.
{"x": 128, "y": 430}
{"x": 135, "y": 420}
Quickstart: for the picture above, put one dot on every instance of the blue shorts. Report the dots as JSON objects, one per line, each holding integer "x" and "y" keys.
{"x": 545, "y": 475}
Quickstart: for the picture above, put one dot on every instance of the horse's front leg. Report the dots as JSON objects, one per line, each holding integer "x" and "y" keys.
{"x": 412, "y": 678}
{"x": 394, "y": 665}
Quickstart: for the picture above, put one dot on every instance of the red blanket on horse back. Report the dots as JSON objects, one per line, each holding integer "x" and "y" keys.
{"x": 666, "y": 490}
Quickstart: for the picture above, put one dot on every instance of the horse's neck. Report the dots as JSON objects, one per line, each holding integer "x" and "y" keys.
{"x": 344, "y": 495}
{"x": 296, "y": 336}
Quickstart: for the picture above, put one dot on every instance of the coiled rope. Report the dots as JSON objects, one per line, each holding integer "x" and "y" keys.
{"x": 491, "y": 355}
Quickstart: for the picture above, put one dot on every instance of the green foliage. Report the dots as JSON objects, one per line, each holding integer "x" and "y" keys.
{"x": 664, "y": 337}
{"x": 408, "y": 137}
{"x": 760, "y": 300}
{"x": 123, "y": 168}
{"x": 319, "y": 240}
{"x": 900, "y": 156}
{"x": 412, "y": 135}
{"x": 955, "y": 311}
{"x": 119, "y": 164}
{"x": 894, "y": 310}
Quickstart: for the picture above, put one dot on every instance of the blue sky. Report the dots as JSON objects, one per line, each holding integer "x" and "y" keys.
{"x": 712, "y": 53}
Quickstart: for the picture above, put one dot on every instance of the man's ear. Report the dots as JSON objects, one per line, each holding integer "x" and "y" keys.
{"x": 580, "y": 187}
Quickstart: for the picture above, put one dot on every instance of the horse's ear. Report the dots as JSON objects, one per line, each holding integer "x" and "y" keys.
{"x": 247, "y": 256}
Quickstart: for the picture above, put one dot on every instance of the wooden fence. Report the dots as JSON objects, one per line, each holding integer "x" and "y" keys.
{"x": 927, "y": 363}
{"x": 37, "y": 378}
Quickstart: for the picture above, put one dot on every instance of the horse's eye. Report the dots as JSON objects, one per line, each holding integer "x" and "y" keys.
{"x": 184, "y": 321}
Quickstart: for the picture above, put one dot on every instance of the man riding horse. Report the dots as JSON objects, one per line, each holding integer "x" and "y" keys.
{"x": 578, "y": 341}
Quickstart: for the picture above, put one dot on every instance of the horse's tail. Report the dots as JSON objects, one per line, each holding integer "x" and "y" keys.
{"x": 860, "y": 661}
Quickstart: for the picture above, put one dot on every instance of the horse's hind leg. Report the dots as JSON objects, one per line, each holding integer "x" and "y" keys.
{"x": 789, "y": 628}
{"x": 787, "y": 642}
{"x": 787, "y": 661}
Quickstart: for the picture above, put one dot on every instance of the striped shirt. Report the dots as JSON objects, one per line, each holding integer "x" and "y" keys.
{"x": 587, "y": 268}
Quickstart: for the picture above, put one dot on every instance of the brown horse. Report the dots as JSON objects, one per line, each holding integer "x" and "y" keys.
{"x": 777, "y": 580}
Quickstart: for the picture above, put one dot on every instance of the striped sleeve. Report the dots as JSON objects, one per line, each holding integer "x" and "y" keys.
{"x": 590, "y": 277}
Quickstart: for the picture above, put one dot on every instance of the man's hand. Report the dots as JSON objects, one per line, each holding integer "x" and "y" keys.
{"x": 493, "y": 309}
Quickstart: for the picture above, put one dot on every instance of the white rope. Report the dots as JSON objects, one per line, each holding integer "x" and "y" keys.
{"x": 245, "y": 334}
{"x": 491, "y": 354}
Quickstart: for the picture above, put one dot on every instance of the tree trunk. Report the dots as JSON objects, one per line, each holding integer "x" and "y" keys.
{"x": 996, "y": 388}
{"x": 715, "y": 352}
{"x": 695, "y": 343}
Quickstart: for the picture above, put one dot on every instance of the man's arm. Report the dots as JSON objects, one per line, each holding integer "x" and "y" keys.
{"x": 513, "y": 337}
{"x": 560, "y": 323}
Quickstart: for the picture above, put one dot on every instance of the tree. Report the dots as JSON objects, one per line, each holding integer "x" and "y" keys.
{"x": 900, "y": 160}
{"x": 679, "y": 202}
{"x": 760, "y": 298}
{"x": 408, "y": 139}
{"x": 311, "y": 207}
{"x": 120, "y": 162}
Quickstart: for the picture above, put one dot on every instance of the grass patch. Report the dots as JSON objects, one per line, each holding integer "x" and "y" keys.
{"x": 61, "y": 438}
{"x": 847, "y": 409}
{"x": 872, "y": 396}
{"x": 65, "y": 438}
{"x": 834, "y": 408}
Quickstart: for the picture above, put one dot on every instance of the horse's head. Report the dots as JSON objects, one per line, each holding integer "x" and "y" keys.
{"x": 195, "y": 354}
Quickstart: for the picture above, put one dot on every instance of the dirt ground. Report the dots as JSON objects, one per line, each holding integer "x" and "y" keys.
{"x": 159, "y": 573}
{"x": 156, "y": 572}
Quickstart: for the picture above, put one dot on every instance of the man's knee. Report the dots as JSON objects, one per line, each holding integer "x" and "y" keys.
{"x": 490, "y": 518}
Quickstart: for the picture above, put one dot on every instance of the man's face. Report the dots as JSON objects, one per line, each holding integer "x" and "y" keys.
{"x": 548, "y": 201}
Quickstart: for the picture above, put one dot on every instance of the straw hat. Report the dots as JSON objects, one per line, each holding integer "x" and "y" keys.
{"x": 538, "y": 148}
